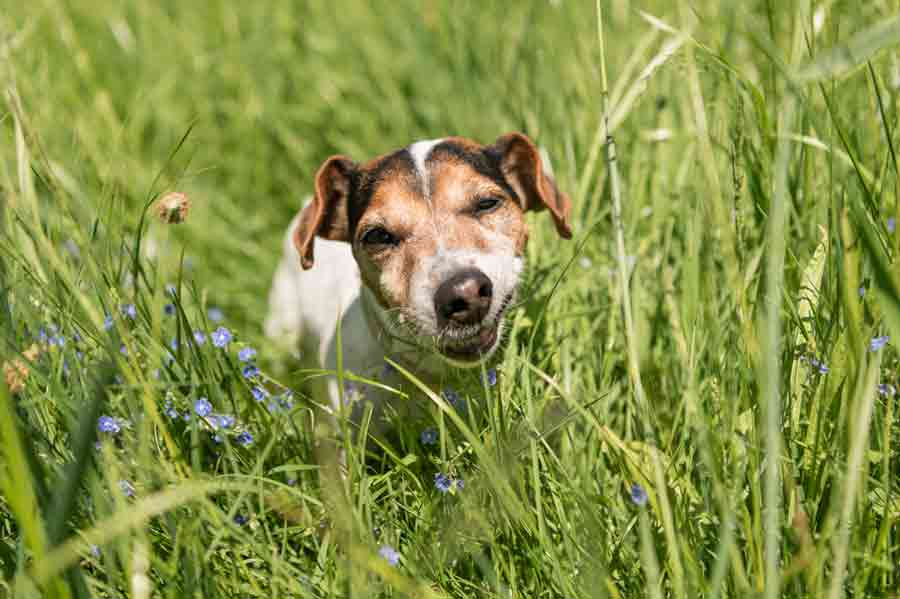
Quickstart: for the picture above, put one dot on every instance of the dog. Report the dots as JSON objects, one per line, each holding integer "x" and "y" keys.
{"x": 417, "y": 255}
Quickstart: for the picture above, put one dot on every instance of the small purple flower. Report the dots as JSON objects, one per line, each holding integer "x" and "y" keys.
{"x": 108, "y": 424}
{"x": 878, "y": 342}
{"x": 107, "y": 322}
{"x": 126, "y": 487}
{"x": 199, "y": 337}
{"x": 249, "y": 371}
{"x": 129, "y": 311}
{"x": 490, "y": 377}
{"x": 638, "y": 495}
{"x": 170, "y": 411}
{"x": 429, "y": 436}
{"x": 442, "y": 482}
{"x": 390, "y": 555}
{"x": 169, "y": 309}
{"x": 259, "y": 394}
{"x": 58, "y": 341}
{"x": 862, "y": 291}
{"x": 240, "y": 519}
{"x": 891, "y": 224}
{"x": 222, "y": 421}
{"x": 246, "y": 354}
{"x": 820, "y": 366}
{"x": 245, "y": 438}
{"x": 221, "y": 337}
{"x": 215, "y": 314}
{"x": 95, "y": 551}
{"x": 202, "y": 407}
{"x": 123, "y": 350}
{"x": 886, "y": 390}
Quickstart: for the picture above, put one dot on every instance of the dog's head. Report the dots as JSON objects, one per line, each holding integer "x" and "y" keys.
{"x": 438, "y": 231}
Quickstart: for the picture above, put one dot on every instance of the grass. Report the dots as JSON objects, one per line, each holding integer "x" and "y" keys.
{"x": 736, "y": 383}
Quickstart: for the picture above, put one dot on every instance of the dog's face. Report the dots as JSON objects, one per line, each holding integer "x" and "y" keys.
{"x": 438, "y": 231}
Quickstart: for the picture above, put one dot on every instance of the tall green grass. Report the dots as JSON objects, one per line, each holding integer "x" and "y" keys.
{"x": 706, "y": 339}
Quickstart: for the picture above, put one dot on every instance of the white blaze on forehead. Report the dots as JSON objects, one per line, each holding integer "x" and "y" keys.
{"x": 419, "y": 152}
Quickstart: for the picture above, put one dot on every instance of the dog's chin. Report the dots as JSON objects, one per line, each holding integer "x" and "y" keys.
{"x": 471, "y": 351}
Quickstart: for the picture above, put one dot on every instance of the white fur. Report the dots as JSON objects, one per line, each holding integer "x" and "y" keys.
{"x": 419, "y": 152}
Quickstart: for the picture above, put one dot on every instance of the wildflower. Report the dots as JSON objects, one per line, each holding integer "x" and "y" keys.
{"x": 886, "y": 390}
{"x": 878, "y": 342}
{"x": 108, "y": 424}
{"x": 215, "y": 314}
{"x": 199, "y": 337}
{"x": 173, "y": 208}
{"x": 221, "y": 337}
{"x": 429, "y": 436}
{"x": 202, "y": 407}
{"x": 222, "y": 421}
{"x": 240, "y": 519}
{"x": 460, "y": 484}
{"x": 123, "y": 350}
{"x": 169, "y": 309}
{"x": 862, "y": 291}
{"x": 387, "y": 370}
{"x": 442, "y": 482}
{"x": 57, "y": 340}
{"x": 291, "y": 482}
{"x": 638, "y": 495}
{"x": 245, "y": 438}
{"x": 171, "y": 289}
{"x": 107, "y": 322}
{"x": 246, "y": 354}
{"x": 126, "y": 487}
{"x": 170, "y": 411}
{"x": 128, "y": 310}
{"x": 454, "y": 399}
{"x": 891, "y": 224}
{"x": 249, "y": 371}
{"x": 173, "y": 344}
{"x": 820, "y": 366}
{"x": 390, "y": 555}
{"x": 259, "y": 394}
{"x": 490, "y": 377}
{"x": 95, "y": 551}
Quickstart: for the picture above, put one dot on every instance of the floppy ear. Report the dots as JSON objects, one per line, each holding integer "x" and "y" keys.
{"x": 521, "y": 165}
{"x": 326, "y": 215}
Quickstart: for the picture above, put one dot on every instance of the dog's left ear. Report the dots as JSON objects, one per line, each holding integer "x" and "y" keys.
{"x": 326, "y": 215}
{"x": 521, "y": 165}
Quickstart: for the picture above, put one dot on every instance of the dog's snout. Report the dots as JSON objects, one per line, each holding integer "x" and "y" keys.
{"x": 464, "y": 298}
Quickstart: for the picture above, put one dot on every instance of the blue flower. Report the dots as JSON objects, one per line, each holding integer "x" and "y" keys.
{"x": 442, "y": 482}
{"x": 170, "y": 411}
{"x": 123, "y": 350}
{"x": 638, "y": 495}
{"x": 240, "y": 519}
{"x": 862, "y": 291}
{"x": 246, "y": 354}
{"x": 222, "y": 421}
{"x": 215, "y": 314}
{"x": 126, "y": 487}
{"x": 259, "y": 394}
{"x": 95, "y": 551}
{"x": 429, "y": 436}
{"x": 245, "y": 438}
{"x": 454, "y": 399}
{"x": 390, "y": 555}
{"x": 169, "y": 309}
{"x": 199, "y": 337}
{"x": 107, "y": 322}
{"x": 221, "y": 337}
{"x": 128, "y": 310}
{"x": 108, "y": 424}
{"x": 886, "y": 390}
{"x": 58, "y": 340}
{"x": 249, "y": 371}
{"x": 202, "y": 407}
{"x": 43, "y": 337}
{"x": 171, "y": 289}
{"x": 490, "y": 377}
{"x": 820, "y": 366}
{"x": 174, "y": 344}
{"x": 891, "y": 224}
{"x": 878, "y": 342}
{"x": 460, "y": 484}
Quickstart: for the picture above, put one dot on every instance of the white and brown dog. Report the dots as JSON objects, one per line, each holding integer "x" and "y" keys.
{"x": 419, "y": 254}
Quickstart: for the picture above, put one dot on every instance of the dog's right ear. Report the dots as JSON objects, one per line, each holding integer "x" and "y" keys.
{"x": 326, "y": 215}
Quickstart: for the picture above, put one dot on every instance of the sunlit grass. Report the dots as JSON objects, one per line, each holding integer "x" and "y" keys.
{"x": 691, "y": 404}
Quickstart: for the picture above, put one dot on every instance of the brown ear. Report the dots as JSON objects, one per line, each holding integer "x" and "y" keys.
{"x": 326, "y": 215}
{"x": 520, "y": 163}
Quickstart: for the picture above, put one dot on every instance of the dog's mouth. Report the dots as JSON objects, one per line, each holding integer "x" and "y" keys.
{"x": 477, "y": 344}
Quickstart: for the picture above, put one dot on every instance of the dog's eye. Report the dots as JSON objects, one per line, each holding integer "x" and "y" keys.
{"x": 379, "y": 236}
{"x": 487, "y": 204}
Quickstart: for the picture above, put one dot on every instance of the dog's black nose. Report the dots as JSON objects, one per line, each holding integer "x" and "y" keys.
{"x": 464, "y": 298}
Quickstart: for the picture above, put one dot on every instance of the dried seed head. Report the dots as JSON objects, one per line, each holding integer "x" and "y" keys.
{"x": 15, "y": 372}
{"x": 173, "y": 207}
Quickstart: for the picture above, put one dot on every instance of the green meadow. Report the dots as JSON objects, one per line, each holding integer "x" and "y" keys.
{"x": 698, "y": 394}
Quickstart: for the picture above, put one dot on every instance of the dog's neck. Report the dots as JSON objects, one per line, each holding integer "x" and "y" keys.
{"x": 400, "y": 347}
